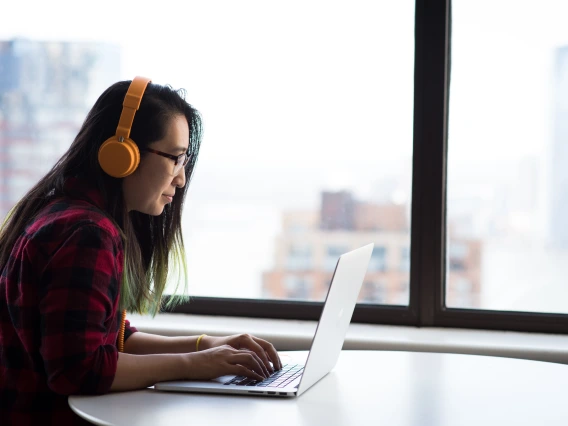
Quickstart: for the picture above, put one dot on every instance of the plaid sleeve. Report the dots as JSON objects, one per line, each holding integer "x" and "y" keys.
{"x": 77, "y": 309}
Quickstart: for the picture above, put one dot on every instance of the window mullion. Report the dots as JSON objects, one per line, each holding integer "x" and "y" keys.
{"x": 429, "y": 163}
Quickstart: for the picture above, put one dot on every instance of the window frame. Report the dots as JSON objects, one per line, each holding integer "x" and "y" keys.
{"x": 426, "y": 306}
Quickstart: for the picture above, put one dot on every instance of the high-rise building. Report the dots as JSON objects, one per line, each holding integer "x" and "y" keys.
{"x": 307, "y": 250}
{"x": 46, "y": 90}
{"x": 558, "y": 231}
{"x": 337, "y": 210}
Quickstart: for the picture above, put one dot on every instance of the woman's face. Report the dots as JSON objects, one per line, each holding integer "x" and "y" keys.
{"x": 153, "y": 184}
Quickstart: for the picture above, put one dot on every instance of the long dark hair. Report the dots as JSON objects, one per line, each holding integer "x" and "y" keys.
{"x": 153, "y": 245}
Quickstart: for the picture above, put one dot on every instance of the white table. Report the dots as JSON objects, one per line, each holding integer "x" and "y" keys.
{"x": 366, "y": 388}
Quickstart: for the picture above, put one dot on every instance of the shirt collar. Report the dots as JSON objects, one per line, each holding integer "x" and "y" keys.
{"x": 82, "y": 189}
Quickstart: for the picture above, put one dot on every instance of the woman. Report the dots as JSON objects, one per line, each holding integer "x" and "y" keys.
{"x": 96, "y": 237}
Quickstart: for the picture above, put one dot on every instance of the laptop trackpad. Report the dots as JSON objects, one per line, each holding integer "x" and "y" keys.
{"x": 223, "y": 379}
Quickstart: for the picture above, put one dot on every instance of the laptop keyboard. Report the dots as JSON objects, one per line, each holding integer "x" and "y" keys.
{"x": 278, "y": 379}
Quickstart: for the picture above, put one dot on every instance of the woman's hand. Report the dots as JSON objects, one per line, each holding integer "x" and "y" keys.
{"x": 264, "y": 350}
{"x": 225, "y": 360}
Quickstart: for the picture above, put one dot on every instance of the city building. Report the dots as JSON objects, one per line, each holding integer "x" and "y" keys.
{"x": 46, "y": 90}
{"x": 558, "y": 231}
{"x": 307, "y": 250}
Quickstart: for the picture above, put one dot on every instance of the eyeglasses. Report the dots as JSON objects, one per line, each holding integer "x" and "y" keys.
{"x": 179, "y": 160}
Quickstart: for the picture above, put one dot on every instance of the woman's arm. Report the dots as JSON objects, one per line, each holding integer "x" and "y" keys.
{"x": 140, "y": 371}
{"x": 140, "y": 343}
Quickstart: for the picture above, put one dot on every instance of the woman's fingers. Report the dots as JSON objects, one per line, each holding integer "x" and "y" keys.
{"x": 254, "y": 346}
{"x": 269, "y": 351}
{"x": 240, "y": 370}
{"x": 252, "y": 361}
{"x": 263, "y": 349}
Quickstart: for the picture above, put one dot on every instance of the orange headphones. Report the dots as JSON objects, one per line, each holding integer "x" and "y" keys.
{"x": 119, "y": 155}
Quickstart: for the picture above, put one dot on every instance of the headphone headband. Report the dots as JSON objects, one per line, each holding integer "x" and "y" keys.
{"x": 130, "y": 105}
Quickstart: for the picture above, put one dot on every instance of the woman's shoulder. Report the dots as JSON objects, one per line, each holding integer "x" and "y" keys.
{"x": 64, "y": 215}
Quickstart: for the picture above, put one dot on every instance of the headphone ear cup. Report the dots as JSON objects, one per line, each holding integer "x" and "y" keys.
{"x": 119, "y": 159}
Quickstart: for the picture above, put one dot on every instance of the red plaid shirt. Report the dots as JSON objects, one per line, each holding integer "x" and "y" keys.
{"x": 59, "y": 294}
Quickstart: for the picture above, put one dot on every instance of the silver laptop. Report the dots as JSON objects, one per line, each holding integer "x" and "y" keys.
{"x": 294, "y": 379}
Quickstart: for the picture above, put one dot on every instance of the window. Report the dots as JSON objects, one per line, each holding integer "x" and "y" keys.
{"x": 507, "y": 153}
{"x": 329, "y": 125}
{"x": 291, "y": 94}
{"x": 292, "y": 155}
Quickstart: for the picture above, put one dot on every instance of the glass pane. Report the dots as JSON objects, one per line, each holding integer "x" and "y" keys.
{"x": 508, "y": 149}
{"x": 307, "y": 110}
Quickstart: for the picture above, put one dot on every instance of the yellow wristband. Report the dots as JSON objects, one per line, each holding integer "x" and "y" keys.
{"x": 199, "y": 340}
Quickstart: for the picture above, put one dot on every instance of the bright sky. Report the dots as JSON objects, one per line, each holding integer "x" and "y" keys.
{"x": 338, "y": 71}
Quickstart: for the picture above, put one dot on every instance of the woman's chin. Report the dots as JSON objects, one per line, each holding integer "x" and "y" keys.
{"x": 156, "y": 210}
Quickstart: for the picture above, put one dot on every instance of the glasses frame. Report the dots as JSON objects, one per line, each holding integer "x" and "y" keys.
{"x": 176, "y": 158}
